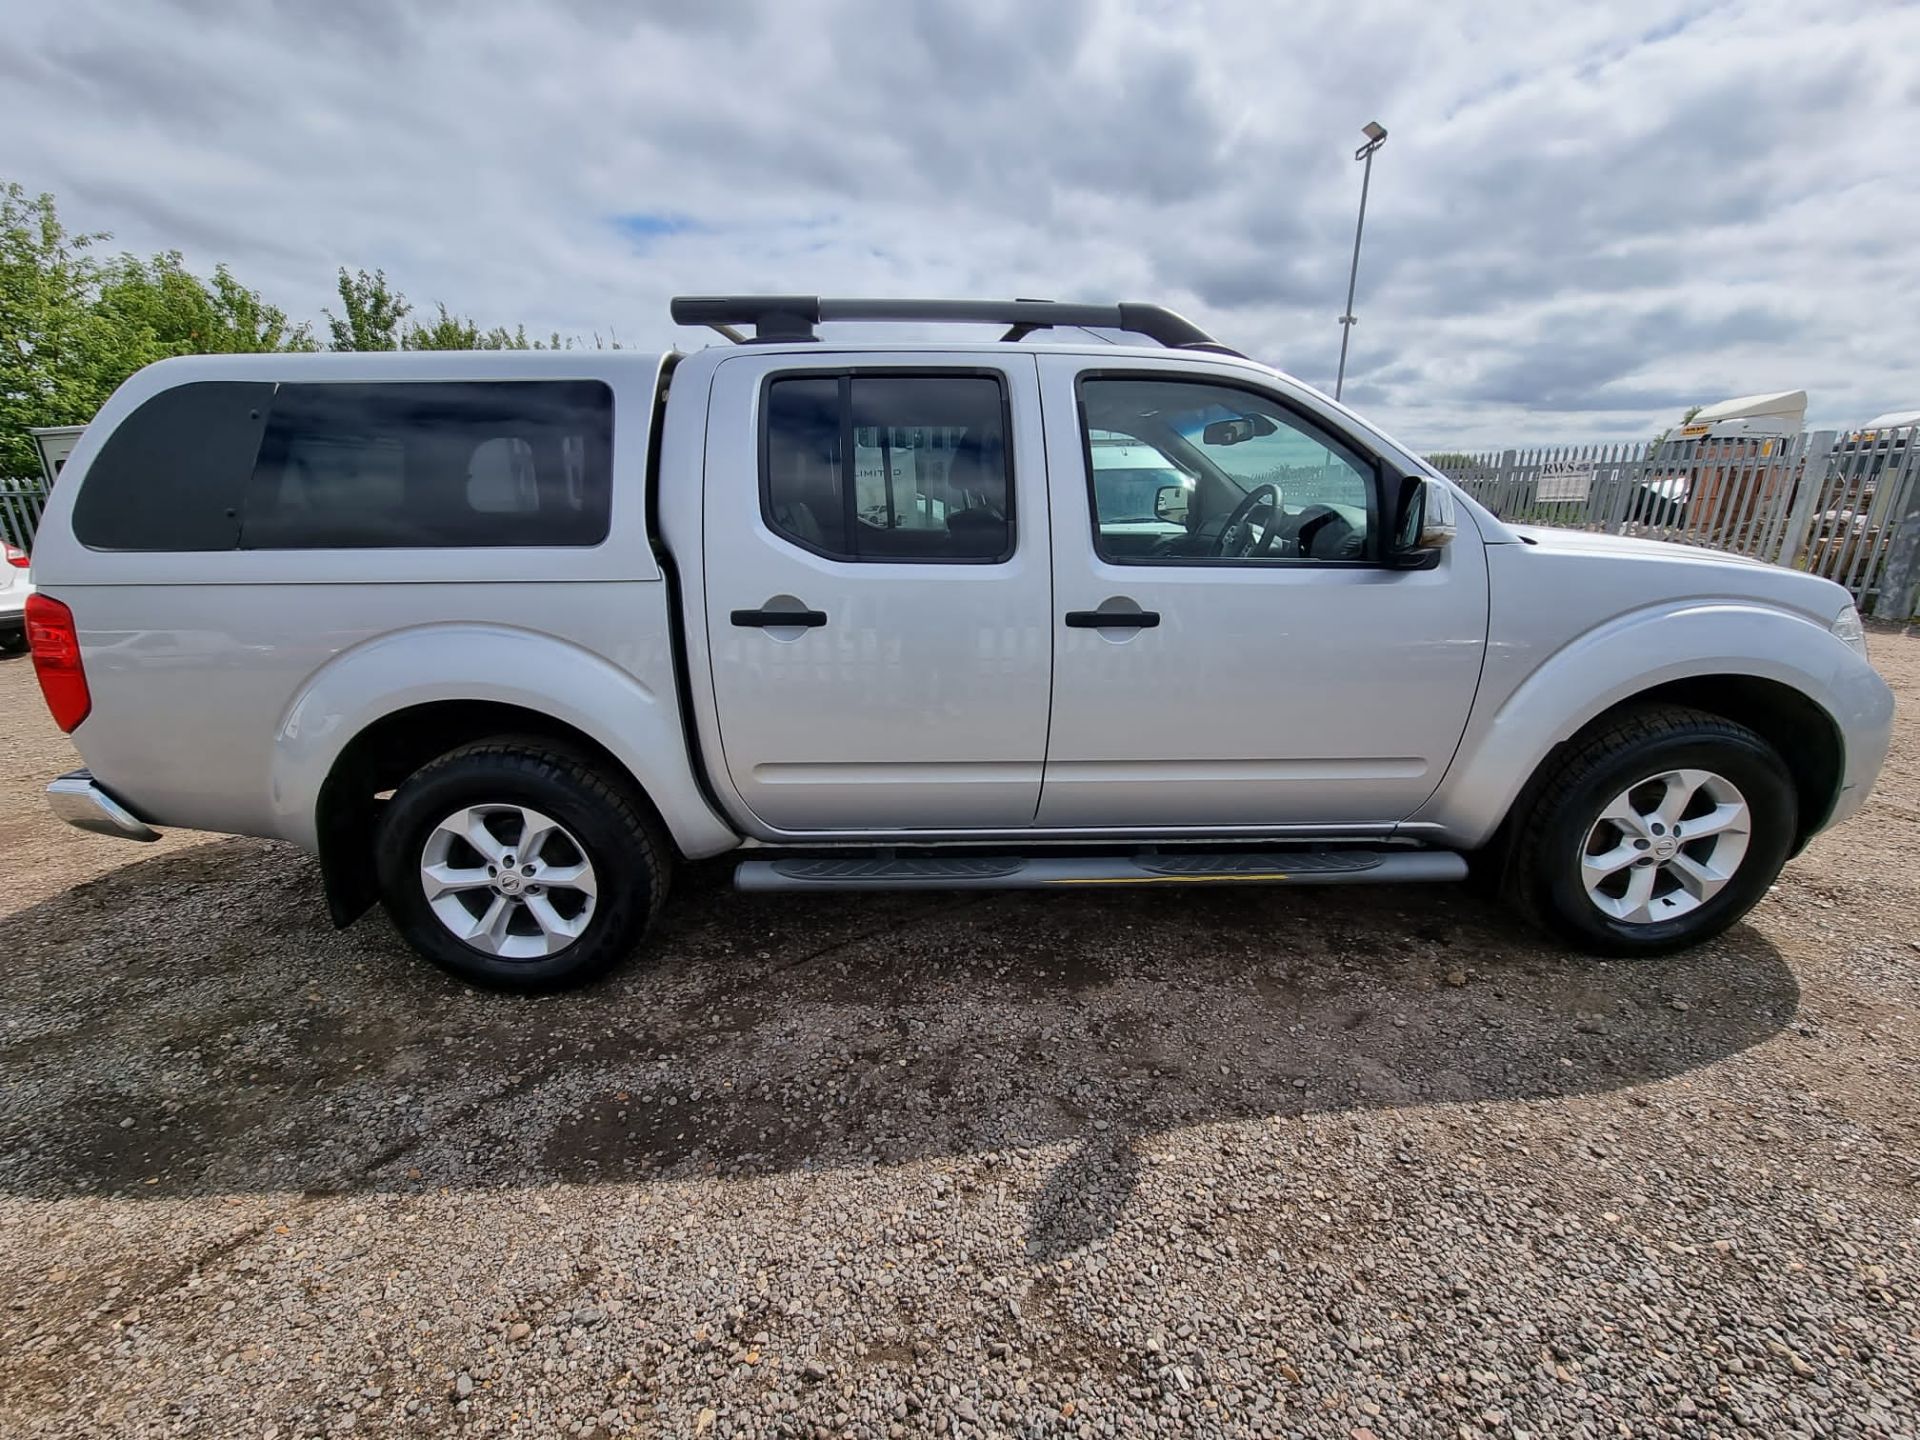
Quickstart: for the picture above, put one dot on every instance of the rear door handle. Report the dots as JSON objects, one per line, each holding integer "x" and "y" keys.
{"x": 770, "y": 619}
{"x": 1112, "y": 619}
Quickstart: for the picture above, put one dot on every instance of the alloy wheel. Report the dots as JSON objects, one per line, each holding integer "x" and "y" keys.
{"x": 508, "y": 881}
{"x": 1665, "y": 846}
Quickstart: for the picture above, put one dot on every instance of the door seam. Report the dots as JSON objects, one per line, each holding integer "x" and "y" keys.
{"x": 1053, "y": 599}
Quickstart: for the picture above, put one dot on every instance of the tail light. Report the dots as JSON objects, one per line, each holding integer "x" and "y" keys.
{"x": 56, "y": 660}
{"x": 15, "y": 556}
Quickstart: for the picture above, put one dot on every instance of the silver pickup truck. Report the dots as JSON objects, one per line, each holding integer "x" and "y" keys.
{"x": 500, "y": 637}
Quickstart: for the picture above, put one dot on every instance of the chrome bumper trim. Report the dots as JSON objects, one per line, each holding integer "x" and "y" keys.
{"x": 77, "y": 800}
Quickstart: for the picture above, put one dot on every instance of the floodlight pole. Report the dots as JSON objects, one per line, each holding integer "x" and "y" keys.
{"x": 1376, "y": 137}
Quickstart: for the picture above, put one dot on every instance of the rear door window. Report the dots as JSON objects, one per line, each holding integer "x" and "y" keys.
{"x": 428, "y": 465}
{"x": 889, "y": 467}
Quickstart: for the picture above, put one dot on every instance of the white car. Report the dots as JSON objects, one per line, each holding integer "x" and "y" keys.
{"x": 14, "y": 589}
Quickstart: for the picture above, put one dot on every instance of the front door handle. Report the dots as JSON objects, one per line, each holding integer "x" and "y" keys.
{"x": 772, "y": 619}
{"x": 1112, "y": 619}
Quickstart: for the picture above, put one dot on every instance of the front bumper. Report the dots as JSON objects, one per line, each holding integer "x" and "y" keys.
{"x": 1865, "y": 706}
{"x": 76, "y": 799}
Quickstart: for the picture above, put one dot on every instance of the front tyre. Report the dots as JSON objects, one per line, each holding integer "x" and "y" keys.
{"x": 518, "y": 867}
{"x": 1656, "y": 831}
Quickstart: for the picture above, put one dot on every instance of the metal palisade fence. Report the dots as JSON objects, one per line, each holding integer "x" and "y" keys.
{"x": 21, "y": 502}
{"x": 1844, "y": 507}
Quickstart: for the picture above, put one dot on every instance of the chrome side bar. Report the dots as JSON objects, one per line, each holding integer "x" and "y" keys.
{"x": 1044, "y": 872}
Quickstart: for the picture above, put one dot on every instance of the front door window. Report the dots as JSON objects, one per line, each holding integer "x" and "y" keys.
{"x": 1195, "y": 472}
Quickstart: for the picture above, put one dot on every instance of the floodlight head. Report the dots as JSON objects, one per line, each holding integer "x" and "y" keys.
{"x": 1374, "y": 131}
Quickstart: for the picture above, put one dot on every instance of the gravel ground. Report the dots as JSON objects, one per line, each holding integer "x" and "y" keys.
{"x": 1344, "y": 1162}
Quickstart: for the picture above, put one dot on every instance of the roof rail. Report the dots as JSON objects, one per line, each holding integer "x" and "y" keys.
{"x": 792, "y": 317}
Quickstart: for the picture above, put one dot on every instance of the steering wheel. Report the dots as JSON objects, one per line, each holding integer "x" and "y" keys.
{"x": 1230, "y": 533}
{"x": 1317, "y": 520}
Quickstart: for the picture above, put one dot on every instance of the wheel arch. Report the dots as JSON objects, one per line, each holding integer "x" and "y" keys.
{"x": 1803, "y": 734}
{"x": 381, "y": 757}
{"x": 372, "y": 714}
{"x": 1771, "y": 671}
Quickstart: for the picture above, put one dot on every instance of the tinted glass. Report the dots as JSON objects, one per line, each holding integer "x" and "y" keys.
{"x": 1186, "y": 471}
{"x": 890, "y": 467}
{"x": 171, "y": 475}
{"x": 432, "y": 465}
{"x": 805, "y": 499}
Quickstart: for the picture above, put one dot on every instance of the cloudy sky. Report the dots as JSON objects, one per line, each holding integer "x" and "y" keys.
{"x": 1585, "y": 218}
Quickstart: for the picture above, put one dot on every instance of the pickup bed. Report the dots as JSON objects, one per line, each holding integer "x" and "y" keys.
{"x": 501, "y": 636}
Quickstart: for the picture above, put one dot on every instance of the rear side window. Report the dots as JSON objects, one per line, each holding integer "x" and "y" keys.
{"x": 430, "y": 465}
{"x": 889, "y": 467}
{"x": 219, "y": 466}
{"x": 173, "y": 474}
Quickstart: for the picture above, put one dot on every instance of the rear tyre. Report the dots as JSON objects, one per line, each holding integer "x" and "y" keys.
{"x": 518, "y": 867}
{"x": 1656, "y": 831}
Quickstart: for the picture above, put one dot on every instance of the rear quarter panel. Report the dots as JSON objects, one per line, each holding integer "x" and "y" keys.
{"x": 223, "y": 708}
{"x": 223, "y": 682}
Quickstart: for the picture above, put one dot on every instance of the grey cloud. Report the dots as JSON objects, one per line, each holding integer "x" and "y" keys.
{"x": 1583, "y": 363}
{"x": 1459, "y": 280}
{"x": 995, "y": 105}
{"x": 188, "y": 227}
{"x": 1582, "y": 214}
{"x": 371, "y": 28}
{"x": 709, "y": 17}
{"x": 110, "y": 75}
{"x": 1247, "y": 280}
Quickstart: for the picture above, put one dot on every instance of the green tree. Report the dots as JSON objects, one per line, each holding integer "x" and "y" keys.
{"x": 59, "y": 357}
{"x": 375, "y": 316}
{"x": 454, "y": 332}
{"x": 1686, "y": 419}
{"x": 373, "y": 313}
{"x": 163, "y": 309}
{"x": 74, "y": 325}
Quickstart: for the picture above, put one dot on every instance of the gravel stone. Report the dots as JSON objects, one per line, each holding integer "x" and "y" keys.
{"x": 1247, "y": 1163}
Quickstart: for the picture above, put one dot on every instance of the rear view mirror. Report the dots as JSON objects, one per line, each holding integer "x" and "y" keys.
{"x": 1236, "y": 431}
{"x": 1170, "y": 503}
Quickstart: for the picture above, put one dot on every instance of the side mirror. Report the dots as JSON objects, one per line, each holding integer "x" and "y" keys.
{"x": 1426, "y": 524}
{"x": 1170, "y": 503}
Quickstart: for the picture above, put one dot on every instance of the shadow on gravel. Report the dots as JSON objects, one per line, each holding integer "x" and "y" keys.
{"x": 191, "y": 1025}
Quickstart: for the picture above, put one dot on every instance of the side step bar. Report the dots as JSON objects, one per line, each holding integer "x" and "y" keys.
{"x": 1045, "y": 872}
